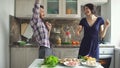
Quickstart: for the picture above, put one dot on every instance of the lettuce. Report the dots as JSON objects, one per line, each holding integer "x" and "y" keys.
{"x": 51, "y": 61}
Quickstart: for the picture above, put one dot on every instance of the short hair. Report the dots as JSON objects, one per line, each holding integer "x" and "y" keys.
{"x": 41, "y": 6}
{"x": 91, "y": 7}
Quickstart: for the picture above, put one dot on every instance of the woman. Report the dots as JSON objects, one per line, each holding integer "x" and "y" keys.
{"x": 93, "y": 28}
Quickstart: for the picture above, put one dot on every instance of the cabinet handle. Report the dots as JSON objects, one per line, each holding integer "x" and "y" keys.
{"x": 103, "y": 52}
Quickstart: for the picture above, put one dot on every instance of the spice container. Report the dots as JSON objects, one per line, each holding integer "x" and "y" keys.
{"x": 68, "y": 37}
{"x": 58, "y": 39}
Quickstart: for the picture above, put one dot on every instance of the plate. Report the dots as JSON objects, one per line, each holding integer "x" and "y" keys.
{"x": 85, "y": 64}
{"x": 71, "y": 63}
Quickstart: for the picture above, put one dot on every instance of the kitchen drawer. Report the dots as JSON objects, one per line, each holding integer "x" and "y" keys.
{"x": 66, "y": 52}
{"x": 106, "y": 51}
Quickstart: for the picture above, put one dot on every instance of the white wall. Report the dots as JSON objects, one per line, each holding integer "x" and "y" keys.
{"x": 115, "y": 22}
{"x": 111, "y": 11}
{"x": 6, "y": 8}
{"x": 106, "y": 14}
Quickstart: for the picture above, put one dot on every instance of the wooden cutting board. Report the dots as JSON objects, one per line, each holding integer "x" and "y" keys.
{"x": 23, "y": 28}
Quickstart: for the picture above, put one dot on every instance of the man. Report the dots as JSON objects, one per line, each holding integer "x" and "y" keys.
{"x": 41, "y": 30}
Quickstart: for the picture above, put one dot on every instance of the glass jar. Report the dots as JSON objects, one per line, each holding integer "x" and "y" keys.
{"x": 58, "y": 39}
{"x": 68, "y": 37}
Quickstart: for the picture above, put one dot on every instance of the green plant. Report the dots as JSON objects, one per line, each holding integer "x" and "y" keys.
{"x": 21, "y": 43}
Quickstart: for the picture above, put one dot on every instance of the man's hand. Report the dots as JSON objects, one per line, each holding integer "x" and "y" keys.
{"x": 37, "y": 1}
{"x": 49, "y": 26}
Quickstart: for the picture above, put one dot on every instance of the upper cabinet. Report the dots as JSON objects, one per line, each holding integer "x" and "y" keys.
{"x": 23, "y": 8}
{"x": 72, "y": 8}
{"x": 98, "y": 2}
{"x": 54, "y": 8}
{"x": 62, "y": 8}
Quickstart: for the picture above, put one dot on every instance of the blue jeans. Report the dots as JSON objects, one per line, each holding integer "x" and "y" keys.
{"x": 44, "y": 52}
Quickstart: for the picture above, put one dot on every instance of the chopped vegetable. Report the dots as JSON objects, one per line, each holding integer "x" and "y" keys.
{"x": 21, "y": 43}
{"x": 83, "y": 58}
{"x": 86, "y": 58}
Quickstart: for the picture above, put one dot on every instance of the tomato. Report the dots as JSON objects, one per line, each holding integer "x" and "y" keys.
{"x": 73, "y": 43}
{"x": 77, "y": 42}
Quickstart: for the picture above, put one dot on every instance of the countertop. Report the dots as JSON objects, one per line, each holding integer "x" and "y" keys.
{"x": 37, "y": 63}
{"x": 62, "y": 46}
{"x": 23, "y": 46}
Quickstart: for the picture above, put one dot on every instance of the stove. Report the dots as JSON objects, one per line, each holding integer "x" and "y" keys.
{"x": 106, "y": 55}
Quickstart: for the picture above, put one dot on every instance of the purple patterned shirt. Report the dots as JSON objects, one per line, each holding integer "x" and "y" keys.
{"x": 39, "y": 29}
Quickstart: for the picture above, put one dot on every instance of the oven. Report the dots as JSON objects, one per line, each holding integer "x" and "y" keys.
{"x": 106, "y": 57}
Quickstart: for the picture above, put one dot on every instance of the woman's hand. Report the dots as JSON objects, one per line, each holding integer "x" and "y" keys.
{"x": 107, "y": 23}
{"x": 77, "y": 33}
{"x": 103, "y": 29}
{"x": 78, "y": 30}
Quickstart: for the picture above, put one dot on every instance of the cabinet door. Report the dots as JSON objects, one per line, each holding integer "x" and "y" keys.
{"x": 71, "y": 8}
{"x": 18, "y": 58}
{"x": 23, "y": 57}
{"x": 117, "y": 58}
{"x": 31, "y": 55}
{"x": 62, "y": 8}
{"x": 66, "y": 52}
{"x": 69, "y": 52}
{"x": 93, "y": 1}
{"x": 23, "y": 8}
{"x": 52, "y": 7}
{"x": 57, "y": 52}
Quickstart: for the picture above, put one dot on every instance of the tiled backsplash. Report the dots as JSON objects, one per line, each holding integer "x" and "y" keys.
{"x": 60, "y": 26}
{"x": 14, "y": 30}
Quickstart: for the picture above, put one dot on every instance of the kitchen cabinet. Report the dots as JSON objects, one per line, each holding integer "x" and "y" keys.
{"x": 23, "y": 8}
{"x": 22, "y": 57}
{"x": 18, "y": 58}
{"x": 98, "y": 2}
{"x": 107, "y": 56}
{"x": 66, "y": 52}
{"x": 67, "y": 8}
{"x": 54, "y": 8}
{"x": 62, "y": 8}
{"x": 31, "y": 55}
{"x": 117, "y": 58}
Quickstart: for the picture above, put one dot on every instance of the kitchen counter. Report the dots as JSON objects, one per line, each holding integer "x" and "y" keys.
{"x": 23, "y": 46}
{"x": 63, "y": 46}
{"x": 107, "y": 46}
{"x": 22, "y": 56}
{"x": 37, "y": 64}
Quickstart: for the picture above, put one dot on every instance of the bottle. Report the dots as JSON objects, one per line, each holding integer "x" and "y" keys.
{"x": 68, "y": 37}
{"x": 58, "y": 40}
